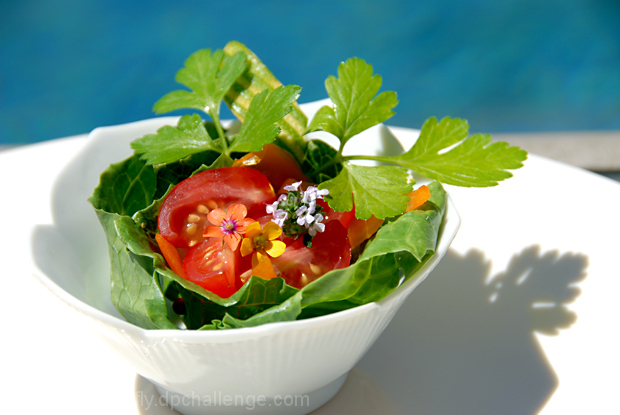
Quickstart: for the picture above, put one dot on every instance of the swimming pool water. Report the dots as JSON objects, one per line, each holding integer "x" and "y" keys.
{"x": 68, "y": 66}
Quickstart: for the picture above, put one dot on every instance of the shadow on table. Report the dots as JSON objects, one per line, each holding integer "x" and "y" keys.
{"x": 464, "y": 342}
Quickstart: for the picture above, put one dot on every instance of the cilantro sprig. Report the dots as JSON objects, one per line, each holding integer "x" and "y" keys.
{"x": 209, "y": 76}
{"x": 443, "y": 151}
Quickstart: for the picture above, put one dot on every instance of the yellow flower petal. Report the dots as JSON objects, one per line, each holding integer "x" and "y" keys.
{"x": 272, "y": 231}
{"x": 246, "y": 247}
{"x": 253, "y": 230}
{"x": 276, "y": 249}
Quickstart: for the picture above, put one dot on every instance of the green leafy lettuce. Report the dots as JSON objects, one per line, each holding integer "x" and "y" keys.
{"x": 140, "y": 278}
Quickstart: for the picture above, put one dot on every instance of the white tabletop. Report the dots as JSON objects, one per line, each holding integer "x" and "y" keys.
{"x": 521, "y": 317}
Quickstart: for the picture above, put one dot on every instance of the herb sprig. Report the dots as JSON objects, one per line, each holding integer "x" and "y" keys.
{"x": 379, "y": 190}
{"x": 210, "y": 76}
{"x": 443, "y": 152}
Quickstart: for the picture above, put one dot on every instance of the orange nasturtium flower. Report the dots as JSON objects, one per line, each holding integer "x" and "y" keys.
{"x": 229, "y": 225}
{"x": 262, "y": 244}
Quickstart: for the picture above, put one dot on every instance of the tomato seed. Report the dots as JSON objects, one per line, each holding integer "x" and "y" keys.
{"x": 191, "y": 229}
{"x": 193, "y": 218}
{"x": 315, "y": 269}
{"x": 303, "y": 280}
{"x": 202, "y": 209}
{"x": 209, "y": 261}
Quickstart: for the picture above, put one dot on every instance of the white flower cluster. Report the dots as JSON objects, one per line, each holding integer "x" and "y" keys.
{"x": 298, "y": 208}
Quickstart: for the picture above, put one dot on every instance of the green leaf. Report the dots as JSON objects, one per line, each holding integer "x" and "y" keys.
{"x": 376, "y": 190}
{"x": 267, "y": 108}
{"x": 417, "y": 222}
{"x": 255, "y": 296}
{"x": 209, "y": 76}
{"x": 444, "y": 152}
{"x": 171, "y": 174}
{"x": 171, "y": 144}
{"x": 125, "y": 187}
{"x": 325, "y": 120}
{"x": 135, "y": 292}
{"x": 356, "y": 108}
{"x": 253, "y": 81}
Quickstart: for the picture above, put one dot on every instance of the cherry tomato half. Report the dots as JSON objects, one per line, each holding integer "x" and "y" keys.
{"x": 183, "y": 214}
{"x": 275, "y": 163}
{"x": 212, "y": 265}
{"x": 330, "y": 249}
{"x": 345, "y": 218}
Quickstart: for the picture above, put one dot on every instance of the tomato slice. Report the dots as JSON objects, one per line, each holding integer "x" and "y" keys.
{"x": 300, "y": 265}
{"x": 212, "y": 265}
{"x": 275, "y": 163}
{"x": 183, "y": 214}
{"x": 345, "y": 218}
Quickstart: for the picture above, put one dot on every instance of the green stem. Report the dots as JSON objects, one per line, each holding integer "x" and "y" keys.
{"x": 215, "y": 116}
{"x": 339, "y": 158}
{"x": 385, "y": 159}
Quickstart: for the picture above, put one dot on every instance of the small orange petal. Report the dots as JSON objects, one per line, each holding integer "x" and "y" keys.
{"x": 213, "y": 232}
{"x": 216, "y": 216}
{"x": 242, "y": 225}
{"x": 232, "y": 240}
{"x": 236, "y": 212}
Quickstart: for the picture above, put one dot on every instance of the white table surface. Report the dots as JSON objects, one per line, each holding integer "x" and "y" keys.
{"x": 521, "y": 317}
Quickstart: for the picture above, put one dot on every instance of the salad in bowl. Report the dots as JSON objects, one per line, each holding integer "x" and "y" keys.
{"x": 262, "y": 257}
{"x": 214, "y": 226}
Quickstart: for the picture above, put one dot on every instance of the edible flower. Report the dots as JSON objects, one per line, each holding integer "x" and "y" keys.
{"x": 262, "y": 243}
{"x": 229, "y": 225}
{"x": 297, "y": 212}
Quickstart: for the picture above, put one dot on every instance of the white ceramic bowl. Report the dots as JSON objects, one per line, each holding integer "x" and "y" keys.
{"x": 289, "y": 368}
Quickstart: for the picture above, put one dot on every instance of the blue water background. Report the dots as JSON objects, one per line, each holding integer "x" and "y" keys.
{"x": 68, "y": 66}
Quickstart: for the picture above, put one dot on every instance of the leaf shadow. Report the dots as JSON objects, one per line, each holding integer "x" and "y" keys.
{"x": 464, "y": 342}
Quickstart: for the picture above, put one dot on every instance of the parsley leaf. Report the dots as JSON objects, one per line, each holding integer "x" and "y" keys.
{"x": 209, "y": 76}
{"x": 174, "y": 143}
{"x": 377, "y": 190}
{"x": 266, "y": 108}
{"x": 355, "y": 106}
{"x": 472, "y": 161}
